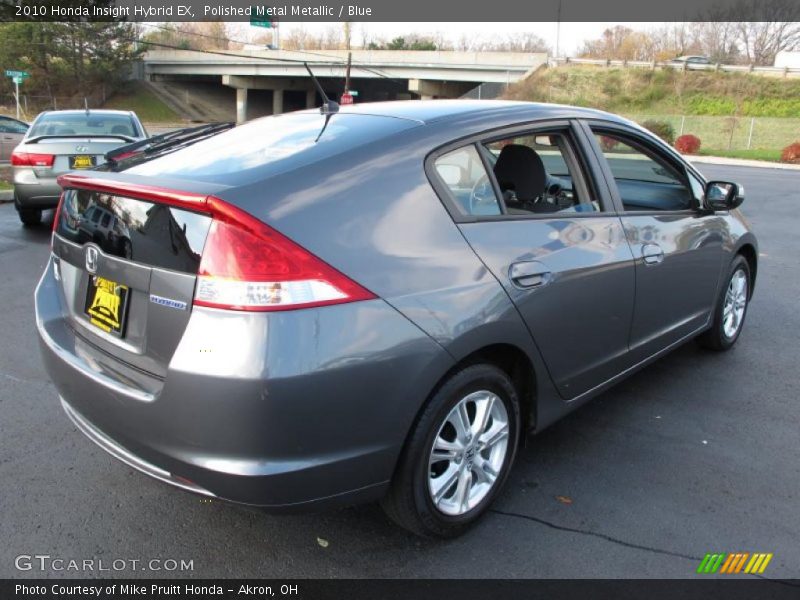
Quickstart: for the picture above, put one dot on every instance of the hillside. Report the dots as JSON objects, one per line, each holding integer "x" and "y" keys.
{"x": 664, "y": 91}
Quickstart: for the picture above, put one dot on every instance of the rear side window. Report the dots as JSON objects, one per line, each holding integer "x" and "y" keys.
{"x": 538, "y": 174}
{"x": 9, "y": 126}
{"x": 464, "y": 174}
{"x": 84, "y": 124}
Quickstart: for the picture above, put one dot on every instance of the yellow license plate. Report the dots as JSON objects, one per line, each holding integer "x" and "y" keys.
{"x": 81, "y": 162}
{"x": 106, "y": 305}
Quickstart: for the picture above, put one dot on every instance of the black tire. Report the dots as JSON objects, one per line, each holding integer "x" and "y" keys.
{"x": 30, "y": 217}
{"x": 716, "y": 338}
{"x": 409, "y": 502}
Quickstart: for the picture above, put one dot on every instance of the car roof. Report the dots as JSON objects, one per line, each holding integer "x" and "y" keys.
{"x": 429, "y": 111}
{"x": 92, "y": 111}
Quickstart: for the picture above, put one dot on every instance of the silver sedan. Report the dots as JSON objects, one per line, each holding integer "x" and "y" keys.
{"x": 61, "y": 141}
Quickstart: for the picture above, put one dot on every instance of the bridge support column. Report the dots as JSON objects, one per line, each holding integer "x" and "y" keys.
{"x": 428, "y": 89}
{"x": 241, "y": 105}
{"x": 311, "y": 98}
{"x": 277, "y": 101}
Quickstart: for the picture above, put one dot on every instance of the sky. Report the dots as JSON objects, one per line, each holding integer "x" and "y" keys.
{"x": 570, "y": 40}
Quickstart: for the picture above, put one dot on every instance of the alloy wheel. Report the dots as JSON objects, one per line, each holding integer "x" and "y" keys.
{"x": 735, "y": 304}
{"x": 468, "y": 453}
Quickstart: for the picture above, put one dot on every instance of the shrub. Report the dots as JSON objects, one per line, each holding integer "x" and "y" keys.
{"x": 687, "y": 144}
{"x": 662, "y": 129}
{"x": 791, "y": 154}
{"x": 608, "y": 143}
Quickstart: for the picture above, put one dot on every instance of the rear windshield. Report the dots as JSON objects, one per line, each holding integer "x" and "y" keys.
{"x": 152, "y": 234}
{"x": 83, "y": 124}
{"x": 271, "y": 145}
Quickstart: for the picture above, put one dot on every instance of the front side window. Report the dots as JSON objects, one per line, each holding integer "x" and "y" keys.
{"x": 463, "y": 173}
{"x": 538, "y": 174}
{"x": 644, "y": 180}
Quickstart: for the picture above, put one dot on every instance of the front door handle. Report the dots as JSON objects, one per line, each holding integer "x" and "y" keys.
{"x": 529, "y": 274}
{"x": 652, "y": 254}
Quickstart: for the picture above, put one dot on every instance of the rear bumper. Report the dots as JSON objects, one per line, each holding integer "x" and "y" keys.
{"x": 37, "y": 195}
{"x": 287, "y": 410}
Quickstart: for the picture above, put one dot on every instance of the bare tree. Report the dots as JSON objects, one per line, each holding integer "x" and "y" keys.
{"x": 620, "y": 43}
{"x": 763, "y": 27}
{"x": 718, "y": 40}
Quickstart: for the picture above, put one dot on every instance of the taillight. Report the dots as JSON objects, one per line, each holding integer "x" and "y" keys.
{"x": 28, "y": 159}
{"x": 247, "y": 265}
{"x": 125, "y": 155}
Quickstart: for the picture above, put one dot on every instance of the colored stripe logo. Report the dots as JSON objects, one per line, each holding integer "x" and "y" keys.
{"x": 737, "y": 562}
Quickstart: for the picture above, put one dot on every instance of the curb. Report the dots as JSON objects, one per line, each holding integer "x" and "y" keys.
{"x": 740, "y": 162}
{"x": 6, "y": 196}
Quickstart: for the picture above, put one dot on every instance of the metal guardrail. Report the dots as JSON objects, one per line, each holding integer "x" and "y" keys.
{"x": 681, "y": 66}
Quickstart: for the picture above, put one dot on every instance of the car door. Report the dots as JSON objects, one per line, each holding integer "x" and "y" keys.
{"x": 11, "y": 134}
{"x": 526, "y": 202}
{"x": 678, "y": 248}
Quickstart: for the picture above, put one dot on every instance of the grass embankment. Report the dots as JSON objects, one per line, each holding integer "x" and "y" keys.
{"x": 716, "y": 107}
{"x": 144, "y": 103}
{"x": 5, "y": 178}
{"x": 765, "y": 155}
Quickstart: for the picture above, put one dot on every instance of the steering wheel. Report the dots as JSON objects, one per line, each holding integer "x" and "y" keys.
{"x": 482, "y": 196}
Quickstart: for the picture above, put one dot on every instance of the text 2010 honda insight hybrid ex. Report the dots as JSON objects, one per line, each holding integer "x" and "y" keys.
{"x": 327, "y": 307}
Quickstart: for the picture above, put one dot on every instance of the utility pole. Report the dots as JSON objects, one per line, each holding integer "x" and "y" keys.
{"x": 16, "y": 94}
{"x": 347, "y": 73}
{"x": 347, "y": 34}
{"x": 558, "y": 30}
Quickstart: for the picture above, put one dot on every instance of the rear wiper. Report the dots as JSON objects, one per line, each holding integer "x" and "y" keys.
{"x": 160, "y": 142}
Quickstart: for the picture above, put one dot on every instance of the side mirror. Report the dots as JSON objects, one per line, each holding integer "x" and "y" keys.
{"x": 723, "y": 195}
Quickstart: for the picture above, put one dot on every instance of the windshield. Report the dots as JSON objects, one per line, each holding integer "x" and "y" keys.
{"x": 84, "y": 124}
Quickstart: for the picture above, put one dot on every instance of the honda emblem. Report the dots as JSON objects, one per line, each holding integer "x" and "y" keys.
{"x": 91, "y": 259}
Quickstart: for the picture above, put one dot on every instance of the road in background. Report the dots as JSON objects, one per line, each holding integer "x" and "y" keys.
{"x": 698, "y": 453}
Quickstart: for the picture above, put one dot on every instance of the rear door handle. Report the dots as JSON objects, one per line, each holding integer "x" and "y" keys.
{"x": 529, "y": 274}
{"x": 652, "y": 254}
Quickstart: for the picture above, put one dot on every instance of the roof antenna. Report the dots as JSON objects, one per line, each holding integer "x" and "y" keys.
{"x": 328, "y": 106}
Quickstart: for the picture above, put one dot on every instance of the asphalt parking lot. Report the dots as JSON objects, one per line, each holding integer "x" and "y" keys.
{"x": 698, "y": 453}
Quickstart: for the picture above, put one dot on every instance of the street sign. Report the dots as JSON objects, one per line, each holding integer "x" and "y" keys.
{"x": 353, "y": 93}
{"x": 17, "y": 79}
{"x": 346, "y": 98}
{"x": 17, "y": 74}
{"x": 259, "y": 18}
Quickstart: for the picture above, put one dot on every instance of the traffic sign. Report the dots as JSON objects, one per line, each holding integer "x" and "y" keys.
{"x": 17, "y": 74}
{"x": 346, "y": 98}
{"x": 17, "y": 79}
{"x": 260, "y": 18}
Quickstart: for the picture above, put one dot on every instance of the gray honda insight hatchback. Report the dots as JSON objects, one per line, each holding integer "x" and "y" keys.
{"x": 323, "y": 308}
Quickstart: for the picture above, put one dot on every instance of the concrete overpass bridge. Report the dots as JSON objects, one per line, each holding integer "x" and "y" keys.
{"x": 262, "y": 82}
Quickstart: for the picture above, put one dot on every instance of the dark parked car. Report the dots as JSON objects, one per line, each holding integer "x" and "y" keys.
{"x": 11, "y": 134}
{"x": 323, "y": 309}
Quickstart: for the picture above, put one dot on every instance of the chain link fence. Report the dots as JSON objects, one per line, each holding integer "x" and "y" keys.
{"x": 732, "y": 133}
{"x": 31, "y": 105}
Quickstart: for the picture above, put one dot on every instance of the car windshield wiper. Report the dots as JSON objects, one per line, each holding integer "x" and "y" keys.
{"x": 161, "y": 142}
{"x": 36, "y": 138}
